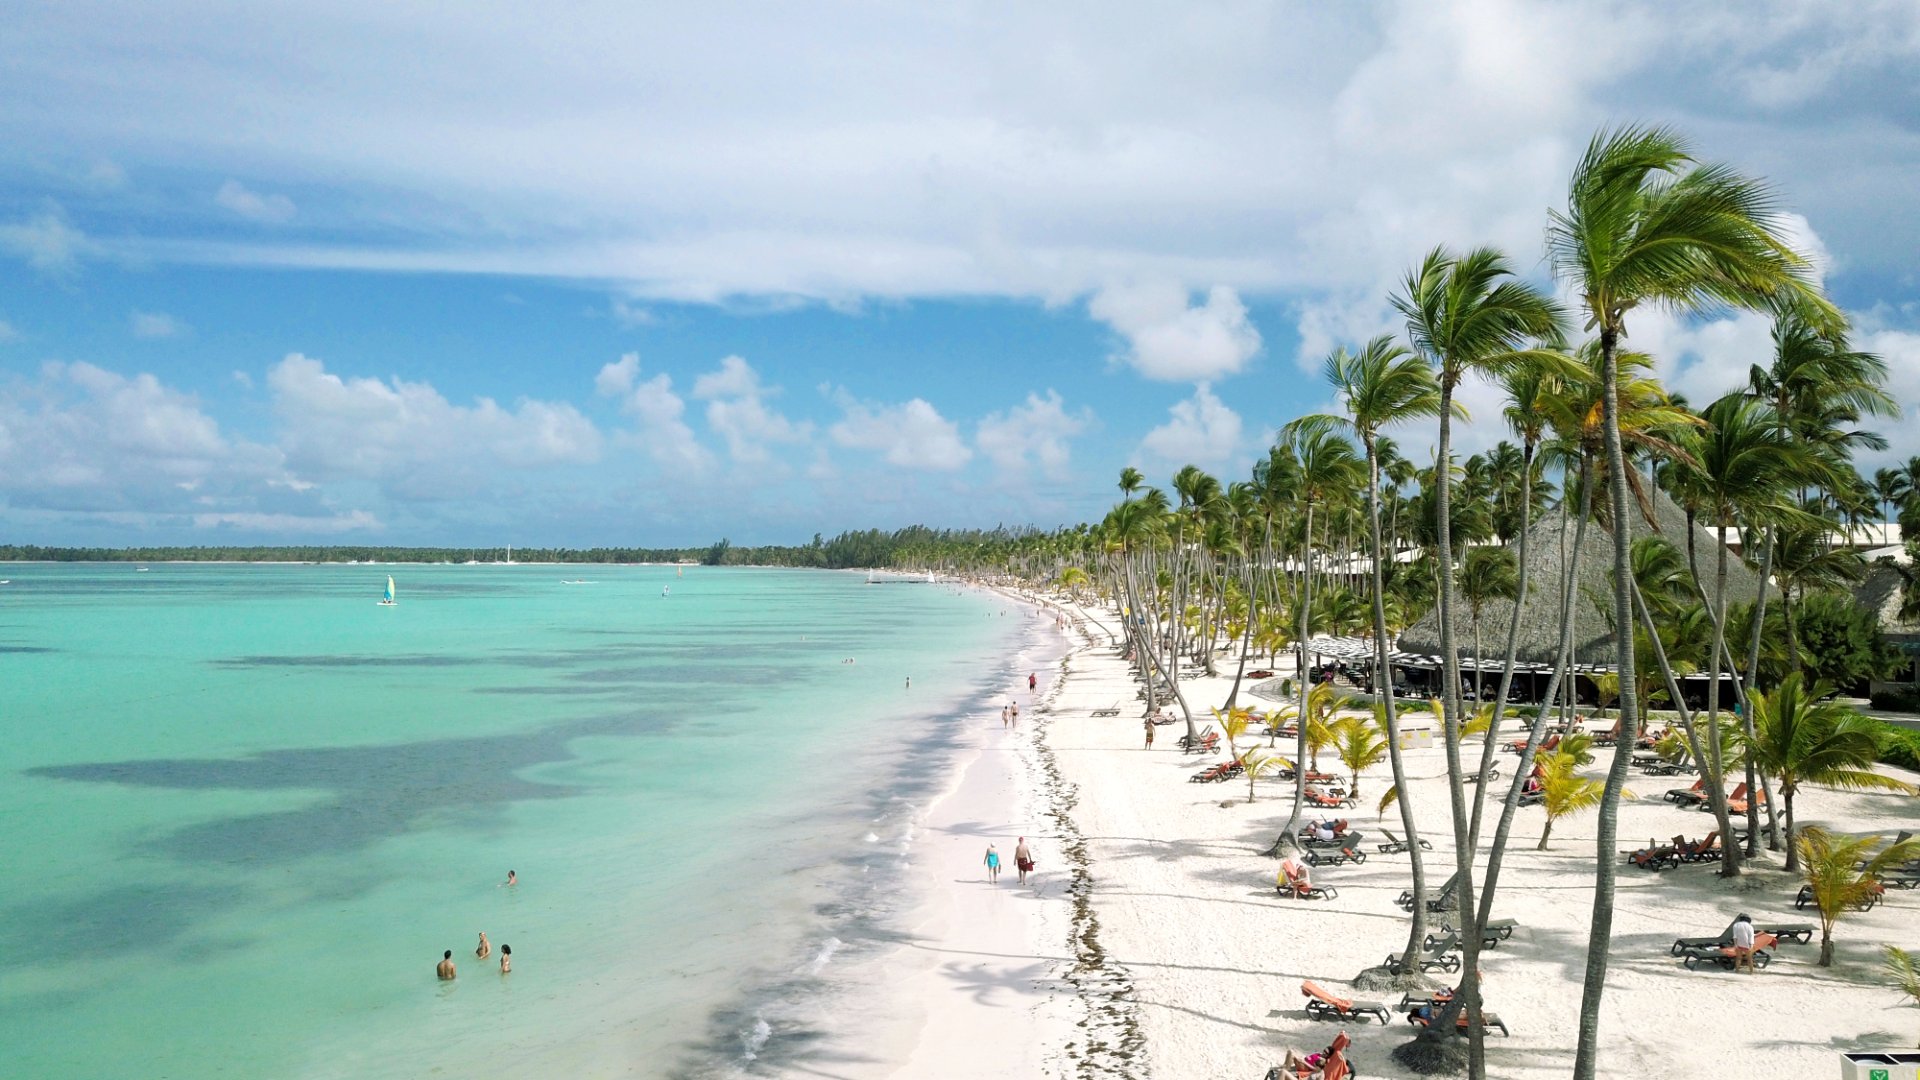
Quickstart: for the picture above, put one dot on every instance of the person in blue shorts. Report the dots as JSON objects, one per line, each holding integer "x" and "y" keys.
{"x": 993, "y": 864}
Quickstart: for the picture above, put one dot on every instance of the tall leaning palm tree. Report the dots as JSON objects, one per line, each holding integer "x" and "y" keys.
{"x": 1646, "y": 225}
{"x": 1741, "y": 467}
{"x": 1466, "y": 313}
{"x": 1326, "y": 468}
{"x": 1384, "y": 384}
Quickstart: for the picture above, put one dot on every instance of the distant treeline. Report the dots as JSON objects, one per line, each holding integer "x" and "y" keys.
{"x": 916, "y": 546}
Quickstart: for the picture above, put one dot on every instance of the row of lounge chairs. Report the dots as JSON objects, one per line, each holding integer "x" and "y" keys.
{"x": 1681, "y": 850}
{"x": 1420, "y": 1011}
{"x": 1226, "y": 770}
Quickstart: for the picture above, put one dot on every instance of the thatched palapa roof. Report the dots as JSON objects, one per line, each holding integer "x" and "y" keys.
{"x": 1549, "y": 547}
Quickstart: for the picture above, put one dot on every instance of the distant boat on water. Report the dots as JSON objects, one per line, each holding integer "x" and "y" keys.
{"x": 388, "y": 600}
{"x": 139, "y": 569}
{"x": 574, "y": 581}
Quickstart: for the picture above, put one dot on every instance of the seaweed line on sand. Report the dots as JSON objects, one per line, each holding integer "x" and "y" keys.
{"x": 1108, "y": 1040}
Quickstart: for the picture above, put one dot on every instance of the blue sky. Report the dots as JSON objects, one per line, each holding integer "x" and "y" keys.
{"x": 657, "y": 275}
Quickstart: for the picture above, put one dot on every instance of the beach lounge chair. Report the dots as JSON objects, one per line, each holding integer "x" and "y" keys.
{"x": 1333, "y": 1067}
{"x": 1348, "y": 851}
{"x": 1110, "y": 710}
{"x": 1657, "y": 856}
{"x": 1727, "y": 957}
{"x": 1798, "y": 932}
{"x": 1688, "y": 796}
{"x": 1491, "y": 935}
{"x": 1804, "y": 898}
{"x": 1324, "y": 1006}
{"x": 1297, "y": 885}
{"x": 1395, "y": 845}
{"x": 1435, "y": 904}
{"x": 1474, "y": 777}
{"x": 1737, "y": 802}
{"x": 1323, "y": 798}
{"x": 1442, "y": 952}
{"x": 1205, "y": 744}
{"x": 1309, "y": 839}
{"x": 1488, "y": 1020}
{"x": 1694, "y": 851}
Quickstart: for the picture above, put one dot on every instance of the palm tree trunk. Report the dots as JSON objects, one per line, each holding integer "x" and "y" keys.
{"x": 1288, "y": 834}
{"x": 1793, "y": 857}
{"x": 1496, "y": 856}
{"x": 1390, "y": 709}
{"x": 1730, "y": 861}
{"x": 1469, "y": 922}
{"x": 1144, "y": 642}
{"x": 1746, "y": 706}
{"x": 1600, "y": 938}
{"x": 1506, "y": 667}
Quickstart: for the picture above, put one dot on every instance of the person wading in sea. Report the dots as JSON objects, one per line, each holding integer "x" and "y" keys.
{"x": 485, "y": 948}
{"x": 445, "y": 967}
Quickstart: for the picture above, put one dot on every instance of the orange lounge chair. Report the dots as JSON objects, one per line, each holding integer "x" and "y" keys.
{"x": 1324, "y": 1006}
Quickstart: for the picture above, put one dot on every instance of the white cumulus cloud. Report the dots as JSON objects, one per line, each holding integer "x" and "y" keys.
{"x": 408, "y": 434}
{"x": 1036, "y": 432}
{"x": 659, "y": 412}
{"x": 738, "y": 412}
{"x": 1201, "y": 430}
{"x": 911, "y": 434}
{"x": 1171, "y": 339}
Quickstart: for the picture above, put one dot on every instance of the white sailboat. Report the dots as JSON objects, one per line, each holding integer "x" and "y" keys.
{"x": 388, "y": 600}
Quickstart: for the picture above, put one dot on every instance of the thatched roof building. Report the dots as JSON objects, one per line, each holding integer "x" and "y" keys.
{"x": 1549, "y": 549}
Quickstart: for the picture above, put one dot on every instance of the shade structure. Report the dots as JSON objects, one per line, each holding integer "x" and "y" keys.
{"x": 1550, "y": 546}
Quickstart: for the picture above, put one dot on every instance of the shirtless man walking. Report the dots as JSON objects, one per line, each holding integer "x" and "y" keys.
{"x": 445, "y": 968}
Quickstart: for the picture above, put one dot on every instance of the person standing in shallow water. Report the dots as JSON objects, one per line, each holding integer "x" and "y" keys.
{"x": 506, "y": 959}
{"x": 1023, "y": 860}
{"x": 993, "y": 866}
{"x": 484, "y": 949}
{"x": 445, "y": 968}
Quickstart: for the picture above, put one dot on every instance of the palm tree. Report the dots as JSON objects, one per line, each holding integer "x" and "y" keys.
{"x": 1646, "y": 226}
{"x": 1742, "y": 465}
{"x": 1384, "y": 384}
{"x": 1486, "y": 574}
{"x": 1564, "y": 792}
{"x": 1900, "y": 967}
{"x": 1803, "y": 736}
{"x": 1466, "y": 313}
{"x": 1360, "y": 743}
{"x": 1843, "y": 874}
{"x": 1892, "y": 488}
{"x": 1326, "y": 468}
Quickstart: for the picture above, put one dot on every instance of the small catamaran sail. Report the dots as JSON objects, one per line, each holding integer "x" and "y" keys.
{"x": 388, "y": 601}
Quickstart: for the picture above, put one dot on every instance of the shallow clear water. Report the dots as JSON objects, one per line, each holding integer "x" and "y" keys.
{"x": 247, "y": 808}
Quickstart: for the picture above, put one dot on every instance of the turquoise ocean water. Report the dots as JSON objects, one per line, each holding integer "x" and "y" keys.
{"x": 245, "y": 809}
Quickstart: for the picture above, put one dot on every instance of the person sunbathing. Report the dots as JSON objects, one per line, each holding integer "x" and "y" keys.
{"x": 1293, "y": 875}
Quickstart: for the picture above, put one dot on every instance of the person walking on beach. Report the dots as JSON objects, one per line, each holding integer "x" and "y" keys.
{"x": 1003, "y": 716}
{"x": 1014, "y": 712}
{"x": 484, "y": 949}
{"x": 1023, "y": 859}
{"x": 1032, "y": 681}
{"x": 1149, "y": 732}
{"x": 993, "y": 865}
{"x": 506, "y": 959}
{"x": 445, "y": 967}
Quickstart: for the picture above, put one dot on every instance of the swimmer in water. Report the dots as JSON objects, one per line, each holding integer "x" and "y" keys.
{"x": 445, "y": 967}
{"x": 506, "y": 959}
{"x": 511, "y": 880}
{"x": 485, "y": 948}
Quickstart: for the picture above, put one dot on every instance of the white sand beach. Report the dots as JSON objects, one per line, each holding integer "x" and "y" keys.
{"x": 1185, "y": 962}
